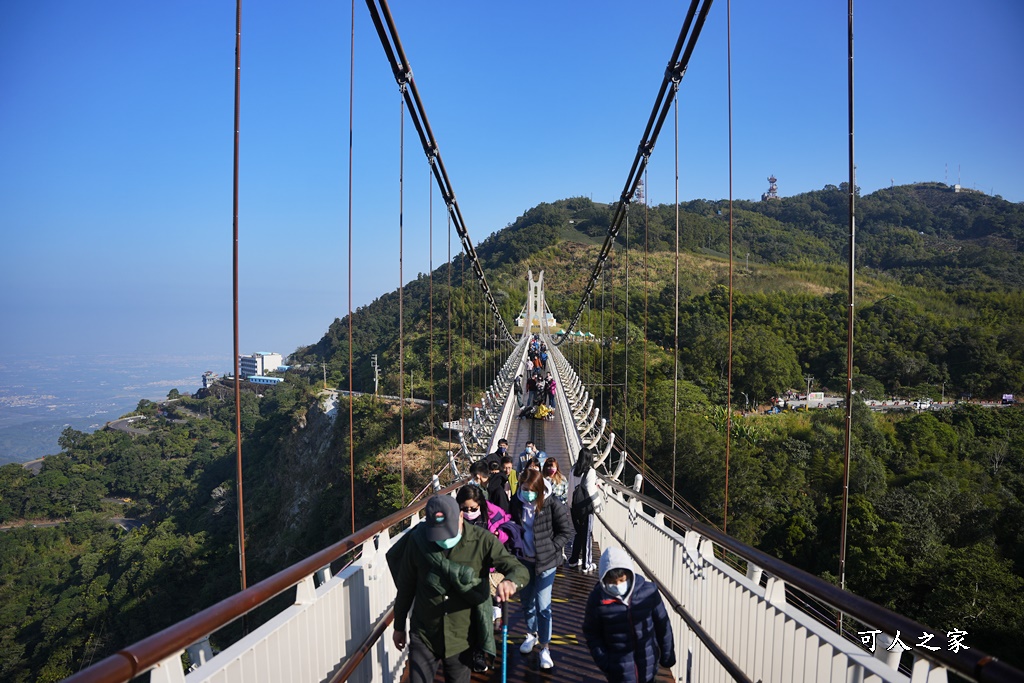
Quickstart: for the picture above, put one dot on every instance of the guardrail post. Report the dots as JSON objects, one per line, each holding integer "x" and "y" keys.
{"x": 775, "y": 592}
{"x": 323, "y": 575}
{"x": 890, "y": 657}
{"x": 168, "y": 671}
{"x": 305, "y": 591}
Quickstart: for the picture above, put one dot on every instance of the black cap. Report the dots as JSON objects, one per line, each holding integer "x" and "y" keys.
{"x": 442, "y": 518}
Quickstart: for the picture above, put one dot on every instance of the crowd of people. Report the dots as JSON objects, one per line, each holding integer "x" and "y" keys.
{"x": 540, "y": 387}
{"x": 506, "y": 532}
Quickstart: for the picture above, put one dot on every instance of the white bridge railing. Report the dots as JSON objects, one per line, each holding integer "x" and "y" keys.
{"x": 728, "y": 624}
{"x": 736, "y": 625}
{"x": 754, "y": 626}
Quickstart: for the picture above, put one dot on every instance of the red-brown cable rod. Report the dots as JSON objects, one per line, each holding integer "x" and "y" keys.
{"x": 728, "y": 383}
{"x": 234, "y": 221}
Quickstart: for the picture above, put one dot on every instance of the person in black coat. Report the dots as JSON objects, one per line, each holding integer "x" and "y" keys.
{"x": 499, "y": 491}
{"x": 546, "y": 528}
{"x": 626, "y": 624}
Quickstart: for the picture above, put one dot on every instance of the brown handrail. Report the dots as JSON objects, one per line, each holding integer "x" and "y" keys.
{"x": 139, "y": 657}
{"x": 972, "y": 664}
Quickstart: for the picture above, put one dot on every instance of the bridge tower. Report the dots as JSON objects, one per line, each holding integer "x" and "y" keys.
{"x": 536, "y": 308}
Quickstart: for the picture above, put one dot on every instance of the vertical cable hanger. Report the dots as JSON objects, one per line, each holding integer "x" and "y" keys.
{"x": 451, "y": 444}
{"x": 472, "y": 336}
{"x": 401, "y": 287}
{"x": 728, "y": 381}
{"x": 462, "y": 338}
{"x": 430, "y": 309}
{"x": 604, "y": 339}
{"x": 675, "y": 336}
{"x": 643, "y": 433}
{"x": 234, "y": 221}
{"x": 625, "y": 335}
{"x": 611, "y": 342}
{"x": 848, "y": 435}
{"x": 351, "y": 429}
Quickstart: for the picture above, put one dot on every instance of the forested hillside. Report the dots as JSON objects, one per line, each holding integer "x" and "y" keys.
{"x": 937, "y": 498}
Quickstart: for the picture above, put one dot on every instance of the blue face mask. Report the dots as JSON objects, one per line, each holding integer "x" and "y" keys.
{"x": 528, "y": 496}
{"x": 616, "y": 590}
{"x": 450, "y": 543}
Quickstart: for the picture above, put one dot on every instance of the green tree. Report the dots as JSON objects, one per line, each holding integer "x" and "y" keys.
{"x": 764, "y": 365}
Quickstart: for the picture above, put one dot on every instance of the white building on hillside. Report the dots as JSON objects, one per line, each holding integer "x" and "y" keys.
{"x": 259, "y": 363}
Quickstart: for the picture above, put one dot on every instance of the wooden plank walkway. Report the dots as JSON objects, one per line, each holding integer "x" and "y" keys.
{"x": 568, "y": 646}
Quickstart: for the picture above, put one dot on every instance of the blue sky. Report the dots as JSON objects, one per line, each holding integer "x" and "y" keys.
{"x": 116, "y": 140}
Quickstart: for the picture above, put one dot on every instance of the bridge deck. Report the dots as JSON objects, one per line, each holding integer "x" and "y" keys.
{"x": 568, "y": 647}
{"x": 547, "y": 434}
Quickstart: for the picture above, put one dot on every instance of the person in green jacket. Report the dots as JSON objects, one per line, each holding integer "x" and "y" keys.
{"x": 443, "y": 564}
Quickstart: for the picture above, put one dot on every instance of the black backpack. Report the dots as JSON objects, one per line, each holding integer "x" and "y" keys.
{"x": 515, "y": 543}
{"x": 581, "y": 504}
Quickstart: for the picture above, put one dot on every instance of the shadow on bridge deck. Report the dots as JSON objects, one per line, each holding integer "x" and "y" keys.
{"x": 547, "y": 434}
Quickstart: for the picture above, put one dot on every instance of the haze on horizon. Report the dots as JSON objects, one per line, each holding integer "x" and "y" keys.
{"x": 115, "y": 182}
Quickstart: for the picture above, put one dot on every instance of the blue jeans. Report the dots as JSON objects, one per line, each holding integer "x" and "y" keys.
{"x": 536, "y": 599}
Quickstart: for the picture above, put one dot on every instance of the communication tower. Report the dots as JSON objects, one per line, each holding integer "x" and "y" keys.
{"x": 773, "y": 189}
{"x": 638, "y": 195}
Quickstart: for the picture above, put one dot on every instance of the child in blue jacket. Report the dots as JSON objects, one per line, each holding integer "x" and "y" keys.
{"x": 625, "y": 623}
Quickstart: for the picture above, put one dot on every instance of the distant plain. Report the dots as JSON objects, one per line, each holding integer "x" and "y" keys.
{"x": 40, "y": 396}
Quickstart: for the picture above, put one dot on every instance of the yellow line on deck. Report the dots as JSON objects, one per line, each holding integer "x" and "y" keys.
{"x": 567, "y": 639}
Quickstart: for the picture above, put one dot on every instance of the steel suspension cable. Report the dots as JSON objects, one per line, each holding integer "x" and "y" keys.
{"x": 351, "y": 424}
{"x": 234, "y": 222}
{"x": 395, "y": 54}
{"x": 401, "y": 289}
{"x": 677, "y": 66}
{"x": 728, "y": 381}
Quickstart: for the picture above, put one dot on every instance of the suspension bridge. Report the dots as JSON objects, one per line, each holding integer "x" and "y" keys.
{"x": 737, "y": 614}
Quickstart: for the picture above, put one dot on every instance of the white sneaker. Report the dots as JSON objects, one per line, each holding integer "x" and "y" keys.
{"x": 545, "y": 659}
{"x": 527, "y": 646}
{"x": 590, "y": 567}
